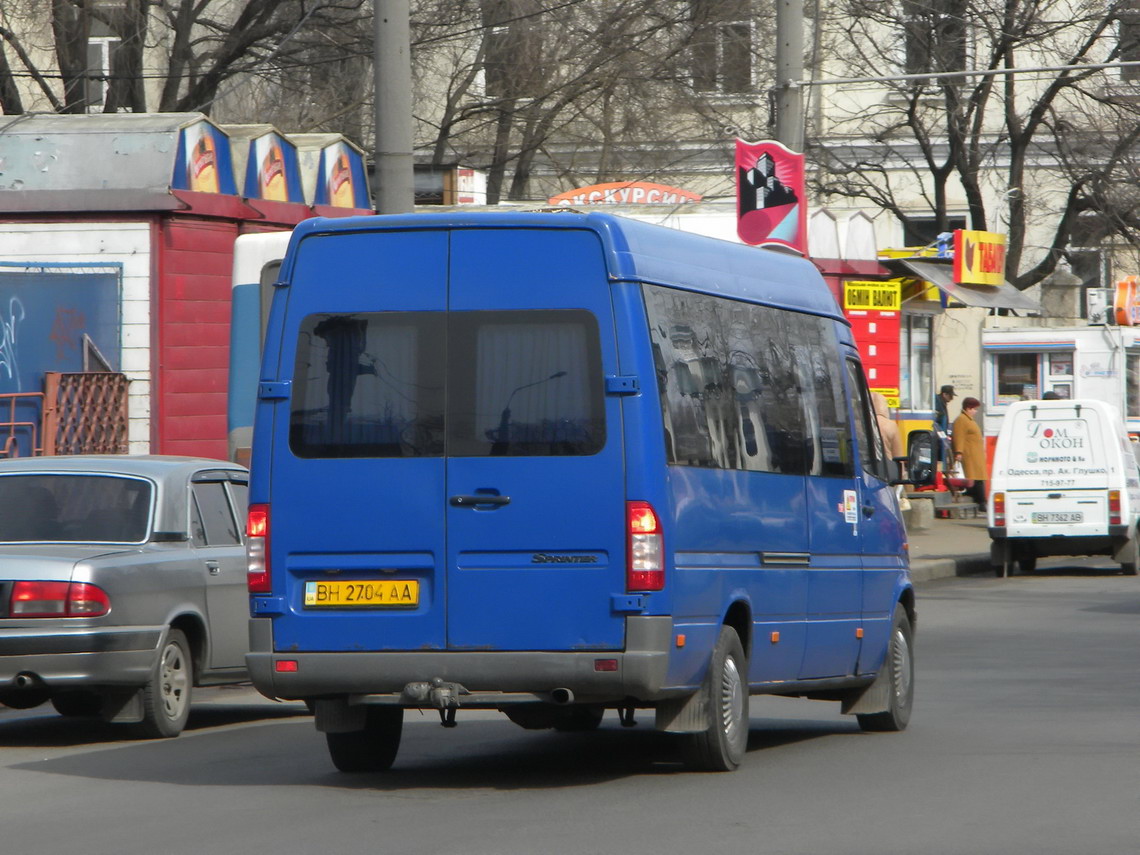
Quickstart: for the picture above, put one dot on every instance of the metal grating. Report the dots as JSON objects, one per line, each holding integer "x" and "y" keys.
{"x": 85, "y": 413}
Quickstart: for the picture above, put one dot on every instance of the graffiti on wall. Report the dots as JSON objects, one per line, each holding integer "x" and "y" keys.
{"x": 44, "y": 316}
{"x": 9, "y": 321}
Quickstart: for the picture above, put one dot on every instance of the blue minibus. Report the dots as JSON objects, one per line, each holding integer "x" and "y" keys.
{"x": 555, "y": 464}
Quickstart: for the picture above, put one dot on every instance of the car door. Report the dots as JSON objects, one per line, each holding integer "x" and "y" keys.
{"x": 881, "y": 531}
{"x": 835, "y": 577}
{"x": 216, "y": 534}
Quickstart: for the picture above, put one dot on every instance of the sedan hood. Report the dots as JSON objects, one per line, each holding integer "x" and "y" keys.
{"x": 52, "y": 562}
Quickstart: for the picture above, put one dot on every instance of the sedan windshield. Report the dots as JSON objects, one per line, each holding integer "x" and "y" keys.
{"x": 74, "y": 508}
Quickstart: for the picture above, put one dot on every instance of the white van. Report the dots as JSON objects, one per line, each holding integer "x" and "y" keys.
{"x": 1065, "y": 482}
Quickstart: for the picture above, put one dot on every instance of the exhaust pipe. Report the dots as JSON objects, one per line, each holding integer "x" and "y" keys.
{"x": 562, "y": 696}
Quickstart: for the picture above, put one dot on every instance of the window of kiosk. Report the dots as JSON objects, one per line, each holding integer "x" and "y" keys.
{"x": 916, "y": 383}
{"x": 1059, "y": 376}
{"x": 1017, "y": 377}
{"x": 1132, "y": 384}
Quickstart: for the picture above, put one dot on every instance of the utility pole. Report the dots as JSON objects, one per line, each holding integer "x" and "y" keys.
{"x": 392, "y": 69}
{"x": 789, "y": 73}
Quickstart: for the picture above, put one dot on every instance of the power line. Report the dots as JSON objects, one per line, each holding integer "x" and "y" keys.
{"x": 942, "y": 75}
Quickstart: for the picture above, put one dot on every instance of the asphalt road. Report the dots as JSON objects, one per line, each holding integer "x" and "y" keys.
{"x": 1024, "y": 740}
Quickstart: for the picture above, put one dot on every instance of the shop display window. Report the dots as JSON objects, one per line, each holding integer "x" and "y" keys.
{"x": 1132, "y": 384}
{"x": 1018, "y": 376}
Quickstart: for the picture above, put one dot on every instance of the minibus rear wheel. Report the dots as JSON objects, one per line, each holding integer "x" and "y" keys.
{"x": 721, "y": 746}
{"x": 372, "y": 749}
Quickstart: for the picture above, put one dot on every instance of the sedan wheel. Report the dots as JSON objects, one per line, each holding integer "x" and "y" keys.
{"x": 166, "y": 698}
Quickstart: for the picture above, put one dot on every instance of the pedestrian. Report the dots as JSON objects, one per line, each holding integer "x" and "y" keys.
{"x": 942, "y": 421}
{"x": 1050, "y": 396}
{"x": 969, "y": 448}
{"x": 889, "y": 431}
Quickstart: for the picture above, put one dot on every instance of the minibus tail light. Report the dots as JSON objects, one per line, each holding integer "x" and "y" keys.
{"x": 999, "y": 509}
{"x": 257, "y": 550}
{"x": 1114, "y": 507}
{"x": 645, "y": 563}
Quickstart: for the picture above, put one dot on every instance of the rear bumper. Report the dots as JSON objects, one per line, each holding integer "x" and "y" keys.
{"x": 79, "y": 657}
{"x": 640, "y": 673}
{"x": 1012, "y": 547}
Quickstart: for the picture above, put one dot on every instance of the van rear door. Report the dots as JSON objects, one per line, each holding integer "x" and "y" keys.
{"x": 450, "y": 476}
{"x": 535, "y": 481}
{"x": 357, "y": 479}
{"x": 1056, "y": 472}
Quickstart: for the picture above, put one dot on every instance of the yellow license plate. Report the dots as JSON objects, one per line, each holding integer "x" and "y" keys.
{"x": 387, "y": 593}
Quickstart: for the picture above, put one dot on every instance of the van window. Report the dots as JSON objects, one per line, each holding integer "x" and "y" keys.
{"x": 871, "y": 452}
{"x": 747, "y": 387}
{"x": 466, "y": 384}
{"x": 369, "y": 385}
{"x": 525, "y": 383}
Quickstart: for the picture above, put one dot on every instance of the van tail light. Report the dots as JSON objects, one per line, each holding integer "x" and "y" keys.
{"x": 645, "y": 561}
{"x": 257, "y": 550}
{"x": 57, "y": 599}
{"x": 1114, "y": 507}
{"x": 999, "y": 509}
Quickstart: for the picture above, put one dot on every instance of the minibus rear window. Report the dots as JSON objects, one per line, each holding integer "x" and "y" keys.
{"x": 465, "y": 384}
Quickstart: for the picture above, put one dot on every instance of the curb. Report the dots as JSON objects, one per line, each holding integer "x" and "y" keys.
{"x": 928, "y": 569}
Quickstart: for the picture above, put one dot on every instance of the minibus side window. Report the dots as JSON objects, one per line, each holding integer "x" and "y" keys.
{"x": 871, "y": 452}
{"x": 730, "y": 394}
{"x": 826, "y": 412}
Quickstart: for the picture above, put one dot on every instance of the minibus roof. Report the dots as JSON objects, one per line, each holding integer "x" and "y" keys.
{"x": 641, "y": 252}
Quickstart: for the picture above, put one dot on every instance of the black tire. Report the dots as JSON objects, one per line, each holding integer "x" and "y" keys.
{"x": 721, "y": 747}
{"x": 78, "y": 704}
{"x": 579, "y": 719}
{"x": 899, "y": 663}
{"x": 1027, "y": 564}
{"x": 372, "y": 749}
{"x": 166, "y": 697}
{"x": 24, "y": 699}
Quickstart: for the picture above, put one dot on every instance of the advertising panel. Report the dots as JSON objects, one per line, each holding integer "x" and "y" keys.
{"x": 341, "y": 181}
{"x": 770, "y": 201}
{"x": 204, "y": 163}
{"x": 979, "y": 258}
{"x": 272, "y": 171}
{"x": 626, "y": 193}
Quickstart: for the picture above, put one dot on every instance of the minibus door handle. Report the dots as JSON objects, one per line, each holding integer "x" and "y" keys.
{"x": 475, "y": 501}
{"x": 868, "y": 510}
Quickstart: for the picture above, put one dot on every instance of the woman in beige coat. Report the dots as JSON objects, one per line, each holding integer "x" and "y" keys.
{"x": 970, "y": 449}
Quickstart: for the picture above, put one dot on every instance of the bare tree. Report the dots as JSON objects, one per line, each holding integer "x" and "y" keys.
{"x": 192, "y": 49}
{"x": 587, "y": 89}
{"x": 1028, "y": 152}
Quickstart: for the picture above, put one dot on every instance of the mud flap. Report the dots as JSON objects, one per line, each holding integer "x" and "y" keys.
{"x": 1125, "y": 553}
{"x": 875, "y": 698}
{"x": 337, "y": 716}
{"x": 123, "y": 707}
{"x": 683, "y": 715}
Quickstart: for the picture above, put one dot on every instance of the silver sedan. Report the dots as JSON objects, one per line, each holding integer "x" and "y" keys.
{"x": 122, "y": 584}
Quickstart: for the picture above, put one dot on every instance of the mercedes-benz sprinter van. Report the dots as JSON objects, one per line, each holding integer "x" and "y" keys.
{"x": 554, "y": 464}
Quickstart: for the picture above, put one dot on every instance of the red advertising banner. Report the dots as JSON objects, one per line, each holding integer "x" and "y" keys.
{"x": 770, "y": 203}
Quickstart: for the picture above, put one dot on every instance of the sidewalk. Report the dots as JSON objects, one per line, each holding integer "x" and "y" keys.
{"x": 949, "y": 547}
